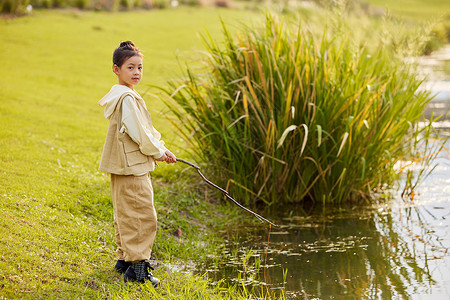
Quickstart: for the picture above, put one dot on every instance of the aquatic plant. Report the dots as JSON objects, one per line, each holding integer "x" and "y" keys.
{"x": 285, "y": 116}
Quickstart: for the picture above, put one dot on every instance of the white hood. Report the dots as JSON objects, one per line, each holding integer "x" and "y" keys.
{"x": 109, "y": 101}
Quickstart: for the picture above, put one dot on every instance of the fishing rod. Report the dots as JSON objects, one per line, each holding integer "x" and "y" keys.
{"x": 224, "y": 192}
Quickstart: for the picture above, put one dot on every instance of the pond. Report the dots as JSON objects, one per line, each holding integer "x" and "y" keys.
{"x": 395, "y": 249}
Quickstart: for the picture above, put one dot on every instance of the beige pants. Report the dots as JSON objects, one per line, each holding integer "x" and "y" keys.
{"x": 134, "y": 216}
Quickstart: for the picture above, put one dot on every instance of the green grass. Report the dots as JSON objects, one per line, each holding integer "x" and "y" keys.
{"x": 414, "y": 9}
{"x": 56, "y": 237}
{"x": 295, "y": 117}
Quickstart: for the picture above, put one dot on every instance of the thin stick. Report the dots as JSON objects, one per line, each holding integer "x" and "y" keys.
{"x": 225, "y": 192}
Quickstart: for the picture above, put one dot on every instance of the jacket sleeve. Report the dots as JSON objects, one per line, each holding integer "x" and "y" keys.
{"x": 148, "y": 139}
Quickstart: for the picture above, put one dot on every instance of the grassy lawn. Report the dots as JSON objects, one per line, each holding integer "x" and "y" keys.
{"x": 415, "y": 9}
{"x": 56, "y": 237}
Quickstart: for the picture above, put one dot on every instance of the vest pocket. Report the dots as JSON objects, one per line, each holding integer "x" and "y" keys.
{"x": 133, "y": 155}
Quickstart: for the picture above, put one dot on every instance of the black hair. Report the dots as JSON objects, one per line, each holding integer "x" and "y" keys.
{"x": 125, "y": 51}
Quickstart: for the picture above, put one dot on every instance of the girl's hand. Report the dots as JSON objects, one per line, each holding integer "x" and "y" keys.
{"x": 162, "y": 158}
{"x": 170, "y": 157}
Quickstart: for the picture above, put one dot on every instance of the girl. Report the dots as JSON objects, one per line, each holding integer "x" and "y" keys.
{"x": 131, "y": 148}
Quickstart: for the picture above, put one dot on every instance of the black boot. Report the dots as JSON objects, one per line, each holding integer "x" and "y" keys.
{"x": 122, "y": 266}
{"x": 139, "y": 272}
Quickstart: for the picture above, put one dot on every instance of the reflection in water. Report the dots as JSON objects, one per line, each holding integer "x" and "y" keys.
{"x": 394, "y": 250}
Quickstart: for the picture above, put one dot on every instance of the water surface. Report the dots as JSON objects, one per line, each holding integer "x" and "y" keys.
{"x": 396, "y": 249}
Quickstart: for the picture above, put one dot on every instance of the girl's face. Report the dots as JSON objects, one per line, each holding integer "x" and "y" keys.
{"x": 130, "y": 73}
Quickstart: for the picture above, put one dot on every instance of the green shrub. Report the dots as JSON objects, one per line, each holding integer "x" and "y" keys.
{"x": 190, "y": 2}
{"x": 81, "y": 4}
{"x": 146, "y": 4}
{"x": 292, "y": 117}
{"x": 41, "y": 3}
{"x": 438, "y": 37}
{"x": 126, "y": 4}
{"x": 109, "y": 5}
{"x": 161, "y": 4}
{"x": 13, "y": 6}
{"x": 447, "y": 26}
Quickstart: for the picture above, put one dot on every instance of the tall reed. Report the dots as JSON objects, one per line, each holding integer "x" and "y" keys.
{"x": 290, "y": 116}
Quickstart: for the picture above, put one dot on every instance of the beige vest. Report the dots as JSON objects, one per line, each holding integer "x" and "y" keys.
{"x": 121, "y": 155}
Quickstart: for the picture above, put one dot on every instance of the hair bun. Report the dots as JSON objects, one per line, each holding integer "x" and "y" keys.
{"x": 126, "y": 50}
{"x": 128, "y": 45}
